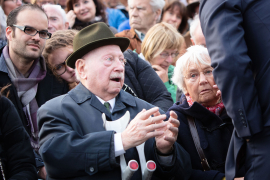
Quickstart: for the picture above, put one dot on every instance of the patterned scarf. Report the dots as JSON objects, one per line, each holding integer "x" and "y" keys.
{"x": 216, "y": 109}
{"x": 27, "y": 90}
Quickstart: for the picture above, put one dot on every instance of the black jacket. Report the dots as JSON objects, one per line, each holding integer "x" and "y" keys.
{"x": 145, "y": 82}
{"x": 214, "y": 133}
{"x": 17, "y": 157}
{"x": 48, "y": 88}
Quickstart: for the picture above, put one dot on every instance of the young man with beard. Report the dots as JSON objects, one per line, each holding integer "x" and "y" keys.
{"x": 22, "y": 66}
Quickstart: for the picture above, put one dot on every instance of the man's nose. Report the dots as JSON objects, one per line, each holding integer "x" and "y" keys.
{"x": 36, "y": 37}
{"x": 119, "y": 65}
{"x": 134, "y": 12}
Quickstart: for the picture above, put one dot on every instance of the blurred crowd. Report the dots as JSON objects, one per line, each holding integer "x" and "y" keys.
{"x": 184, "y": 74}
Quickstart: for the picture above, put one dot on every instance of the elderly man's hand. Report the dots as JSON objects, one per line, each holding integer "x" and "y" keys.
{"x": 42, "y": 173}
{"x": 143, "y": 127}
{"x": 164, "y": 143}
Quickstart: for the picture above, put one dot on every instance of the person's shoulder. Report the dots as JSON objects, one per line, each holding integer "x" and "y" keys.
{"x": 55, "y": 103}
{"x": 5, "y": 103}
{"x": 126, "y": 33}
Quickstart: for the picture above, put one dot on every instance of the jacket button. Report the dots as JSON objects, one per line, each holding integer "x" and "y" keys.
{"x": 92, "y": 169}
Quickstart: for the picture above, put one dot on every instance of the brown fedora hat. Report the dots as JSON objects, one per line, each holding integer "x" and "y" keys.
{"x": 93, "y": 37}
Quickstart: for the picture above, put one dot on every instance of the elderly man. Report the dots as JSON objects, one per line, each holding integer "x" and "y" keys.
{"x": 197, "y": 37}
{"x": 57, "y": 17}
{"x": 143, "y": 14}
{"x": 73, "y": 139}
{"x": 22, "y": 66}
{"x": 238, "y": 39}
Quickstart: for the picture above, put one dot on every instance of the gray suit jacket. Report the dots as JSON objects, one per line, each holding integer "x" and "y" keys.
{"x": 75, "y": 145}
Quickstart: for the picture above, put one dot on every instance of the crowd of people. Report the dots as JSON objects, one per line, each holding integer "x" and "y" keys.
{"x": 88, "y": 87}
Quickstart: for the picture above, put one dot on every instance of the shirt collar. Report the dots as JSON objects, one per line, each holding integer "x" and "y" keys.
{"x": 111, "y": 102}
{"x": 140, "y": 34}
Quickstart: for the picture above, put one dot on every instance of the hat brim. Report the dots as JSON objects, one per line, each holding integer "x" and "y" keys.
{"x": 122, "y": 42}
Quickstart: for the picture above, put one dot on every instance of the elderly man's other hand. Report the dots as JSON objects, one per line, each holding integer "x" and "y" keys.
{"x": 71, "y": 16}
{"x": 42, "y": 173}
{"x": 143, "y": 127}
{"x": 162, "y": 73}
{"x": 164, "y": 143}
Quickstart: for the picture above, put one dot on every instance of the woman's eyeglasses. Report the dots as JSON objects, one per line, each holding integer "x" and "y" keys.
{"x": 60, "y": 68}
{"x": 166, "y": 55}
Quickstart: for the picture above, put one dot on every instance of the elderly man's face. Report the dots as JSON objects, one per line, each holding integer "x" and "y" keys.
{"x": 199, "y": 83}
{"x": 199, "y": 38}
{"x": 56, "y": 21}
{"x": 141, "y": 15}
{"x": 103, "y": 72}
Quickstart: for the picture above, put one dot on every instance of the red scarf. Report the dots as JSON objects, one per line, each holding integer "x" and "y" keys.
{"x": 216, "y": 109}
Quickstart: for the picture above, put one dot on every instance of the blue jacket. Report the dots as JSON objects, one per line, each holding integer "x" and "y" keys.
{"x": 214, "y": 133}
{"x": 115, "y": 17}
{"x": 75, "y": 145}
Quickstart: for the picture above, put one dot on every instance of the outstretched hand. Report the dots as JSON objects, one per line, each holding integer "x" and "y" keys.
{"x": 164, "y": 142}
{"x": 142, "y": 128}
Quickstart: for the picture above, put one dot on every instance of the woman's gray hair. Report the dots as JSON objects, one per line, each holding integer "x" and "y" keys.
{"x": 196, "y": 55}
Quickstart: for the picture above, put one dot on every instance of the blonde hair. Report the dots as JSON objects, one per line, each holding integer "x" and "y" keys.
{"x": 160, "y": 37}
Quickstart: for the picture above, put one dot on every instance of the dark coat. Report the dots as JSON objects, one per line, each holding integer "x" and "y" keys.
{"x": 145, "y": 82}
{"x": 75, "y": 145}
{"x": 238, "y": 39}
{"x": 48, "y": 88}
{"x": 16, "y": 153}
{"x": 214, "y": 133}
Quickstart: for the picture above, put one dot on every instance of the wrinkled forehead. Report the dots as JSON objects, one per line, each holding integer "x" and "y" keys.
{"x": 98, "y": 53}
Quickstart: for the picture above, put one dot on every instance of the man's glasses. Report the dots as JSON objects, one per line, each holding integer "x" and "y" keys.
{"x": 166, "y": 55}
{"x": 32, "y": 31}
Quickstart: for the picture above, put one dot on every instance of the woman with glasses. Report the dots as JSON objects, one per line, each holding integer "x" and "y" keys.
{"x": 56, "y": 51}
{"x": 160, "y": 48}
{"x": 202, "y": 115}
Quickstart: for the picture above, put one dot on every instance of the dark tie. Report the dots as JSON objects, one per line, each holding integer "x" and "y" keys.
{"x": 107, "y": 105}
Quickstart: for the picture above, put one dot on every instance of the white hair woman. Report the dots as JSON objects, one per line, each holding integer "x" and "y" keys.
{"x": 202, "y": 115}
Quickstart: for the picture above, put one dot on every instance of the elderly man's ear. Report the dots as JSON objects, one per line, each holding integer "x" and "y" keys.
{"x": 66, "y": 25}
{"x": 80, "y": 67}
{"x": 158, "y": 13}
